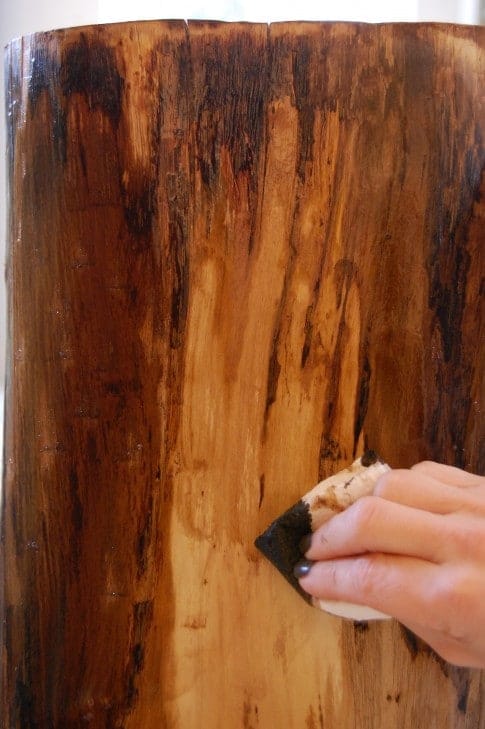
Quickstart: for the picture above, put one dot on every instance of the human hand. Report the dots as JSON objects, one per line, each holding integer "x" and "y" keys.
{"x": 415, "y": 550}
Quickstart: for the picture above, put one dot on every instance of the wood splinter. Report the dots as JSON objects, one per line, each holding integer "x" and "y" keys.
{"x": 280, "y": 543}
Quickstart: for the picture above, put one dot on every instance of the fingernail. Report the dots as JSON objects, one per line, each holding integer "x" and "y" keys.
{"x": 306, "y": 543}
{"x": 302, "y": 568}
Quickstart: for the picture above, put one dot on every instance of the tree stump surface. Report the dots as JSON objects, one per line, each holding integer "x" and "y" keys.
{"x": 239, "y": 255}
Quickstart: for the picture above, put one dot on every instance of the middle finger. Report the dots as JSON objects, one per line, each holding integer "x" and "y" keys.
{"x": 374, "y": 524}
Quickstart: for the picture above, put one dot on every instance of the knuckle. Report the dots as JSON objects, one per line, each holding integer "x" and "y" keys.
{"x": 387, "y": 483}
{"x": 367, "y": 575}
{"x": 333, "y": 575}
{"x": 447, "y": 593}
{"x": 423, "y": 466}
{"x": 451, "y": 602}
{"x": 390, "y": 482}
{"x": 384, "y": 486}
{"x": 465, "y": 538}
{"x": 363, "y": 514}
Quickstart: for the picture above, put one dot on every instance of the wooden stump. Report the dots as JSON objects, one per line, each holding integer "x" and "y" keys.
{"x": 238, "y": 256}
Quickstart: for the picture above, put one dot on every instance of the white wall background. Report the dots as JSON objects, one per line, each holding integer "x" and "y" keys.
{"x": 19, "y": 17}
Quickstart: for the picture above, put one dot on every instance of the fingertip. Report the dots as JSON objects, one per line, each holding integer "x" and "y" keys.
{"x": 389, "y": 482}
{"x": 424, "y": 466}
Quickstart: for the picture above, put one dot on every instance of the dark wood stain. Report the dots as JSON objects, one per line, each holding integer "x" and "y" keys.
{"x": 412, "y": 641}
{"x": 44, "y": 79}
{"x": 144, "y": 538}
{"x": 89, "y": 68}
{"x": 231, "y": 109}
{"x": 107, "y": 438}
{"x": 261, "y": 490}
{"x": 304, "y": 101}
{"x": 24, "y": 706}
{"x": 274, "y": 369}
{"x": 250, "y": 718}
{"x": 308, "y": 335}
{"x": 142, "y": 618}
{"x": 179, "y": 236}
{"x": 462, "y": 681}
{"x": 274, "y": 366}
{"x": 362, "y": 400}
{"x": 140, "y": 207}
{"x": 329, "y": 451}
{"x": 309, "y": 321}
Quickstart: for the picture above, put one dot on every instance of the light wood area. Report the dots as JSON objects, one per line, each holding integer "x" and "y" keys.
{"x": 239, "y": 255}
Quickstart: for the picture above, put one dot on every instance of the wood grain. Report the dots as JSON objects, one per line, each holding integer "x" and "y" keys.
{"x": 238, "y": 255}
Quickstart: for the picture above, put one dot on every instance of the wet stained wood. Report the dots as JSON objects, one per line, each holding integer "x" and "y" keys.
{"x": 239, "y": 254}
